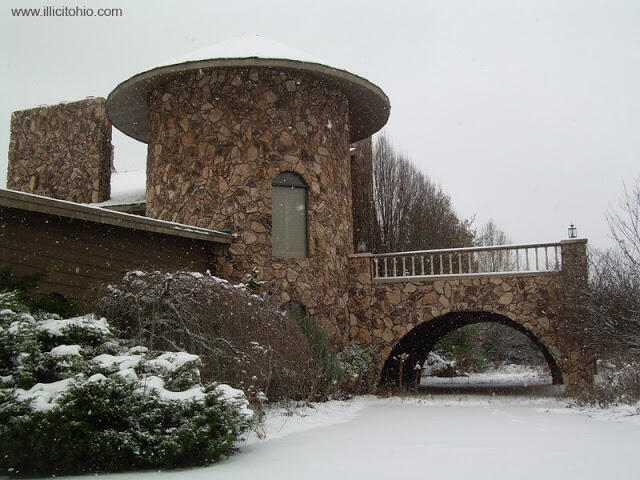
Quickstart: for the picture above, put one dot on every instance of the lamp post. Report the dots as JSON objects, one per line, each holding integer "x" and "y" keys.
{"x": 573, "y": 231}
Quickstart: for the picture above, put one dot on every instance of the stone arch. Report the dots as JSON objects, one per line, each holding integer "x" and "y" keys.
{"x": 420, "y": 340}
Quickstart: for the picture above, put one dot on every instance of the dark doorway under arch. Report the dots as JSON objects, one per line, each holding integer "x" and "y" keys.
{"x": 414, "y": 347}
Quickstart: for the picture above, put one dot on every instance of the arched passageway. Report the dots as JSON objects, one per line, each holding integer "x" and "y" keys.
{"x": 415, "y": 346}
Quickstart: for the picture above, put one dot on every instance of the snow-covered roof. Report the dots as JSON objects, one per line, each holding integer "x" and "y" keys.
{"x": 96, "y": 213}
{"x": 127, "y": 188}
{"x": 369, "y": 107}
{"x": 247, "y": 46}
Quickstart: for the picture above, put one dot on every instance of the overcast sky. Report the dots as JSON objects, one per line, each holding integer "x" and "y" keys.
{"x": 527, "y": 112}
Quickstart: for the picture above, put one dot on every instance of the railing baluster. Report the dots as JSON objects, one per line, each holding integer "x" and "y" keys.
{"x": 498, "y": 259}
{"x": 546, "y": 258}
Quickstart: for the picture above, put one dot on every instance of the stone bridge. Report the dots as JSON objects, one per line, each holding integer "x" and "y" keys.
{"x": 403, "y": 303}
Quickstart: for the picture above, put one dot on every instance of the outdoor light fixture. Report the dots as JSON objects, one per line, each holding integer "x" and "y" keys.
{"x": 573, "y": 231}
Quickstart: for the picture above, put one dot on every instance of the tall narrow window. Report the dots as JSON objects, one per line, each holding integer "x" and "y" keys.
{"x": 289, "y": 216}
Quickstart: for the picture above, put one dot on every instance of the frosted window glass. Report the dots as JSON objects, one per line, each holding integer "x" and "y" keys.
{"x": 289, "y": 222}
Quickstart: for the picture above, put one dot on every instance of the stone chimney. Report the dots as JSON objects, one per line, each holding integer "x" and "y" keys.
{"x": 362, "y": 195}
{"x": 62, "y": 151}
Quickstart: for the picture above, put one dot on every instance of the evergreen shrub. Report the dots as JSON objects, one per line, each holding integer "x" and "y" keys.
{"x": 74, "y": 398}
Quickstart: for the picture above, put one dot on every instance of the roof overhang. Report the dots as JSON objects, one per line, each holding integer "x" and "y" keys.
{"x": 77, "y": 211}
{"x": 369, "y": 107}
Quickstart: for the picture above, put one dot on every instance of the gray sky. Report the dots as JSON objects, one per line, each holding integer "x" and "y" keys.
{"x": 524, "y": 111}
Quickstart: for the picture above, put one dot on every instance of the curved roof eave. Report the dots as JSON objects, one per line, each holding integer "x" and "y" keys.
{"x": 369, "y": 107}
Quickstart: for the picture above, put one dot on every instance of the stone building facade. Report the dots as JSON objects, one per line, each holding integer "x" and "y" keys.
{"x": 220, "y": 132}
{"x": 62, "y": 151}
{"x": 217, "y": 140}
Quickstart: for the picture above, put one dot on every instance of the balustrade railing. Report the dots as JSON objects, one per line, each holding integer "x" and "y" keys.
{"x": 469, "y": 261}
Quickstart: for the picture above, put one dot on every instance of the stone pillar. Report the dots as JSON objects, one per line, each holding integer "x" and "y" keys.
{"x": 361, "y": 327}
{"x": 62, "y": 151}
{"x": 362, "y": 194}
{"x": 578, "y": 360}
{"x": 574, "y": 259}
{"x": 218, "y": 138}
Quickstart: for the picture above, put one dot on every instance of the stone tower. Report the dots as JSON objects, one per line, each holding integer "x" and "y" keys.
{"x": 231, "y": 135}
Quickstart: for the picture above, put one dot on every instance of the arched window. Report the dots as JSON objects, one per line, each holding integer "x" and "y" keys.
{"x": 289, "y": 216}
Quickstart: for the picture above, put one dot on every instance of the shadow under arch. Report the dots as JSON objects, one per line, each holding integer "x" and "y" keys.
{"x": 421, "y": 339}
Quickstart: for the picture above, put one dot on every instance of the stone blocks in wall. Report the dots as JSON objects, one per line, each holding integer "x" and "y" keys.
{"x": 62, "y": 151}
{"x": 382, "y": 313}
{"x": 218, "y": 137}
{"x": 362, "y": 194}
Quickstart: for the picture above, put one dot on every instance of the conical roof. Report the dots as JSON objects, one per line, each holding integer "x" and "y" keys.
{"x": 369, "y": 107}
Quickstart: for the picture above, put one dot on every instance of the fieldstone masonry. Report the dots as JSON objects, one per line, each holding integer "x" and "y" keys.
{"x": 219, "y": 137}
{"x": 383, "y": 313}
{"x": 62, "y": 151}
{"x": 362, "y": 194}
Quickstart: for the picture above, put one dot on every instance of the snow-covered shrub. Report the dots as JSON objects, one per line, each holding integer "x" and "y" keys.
{"x": 243, "y": 339}
{"x": 25, "y": 287}
{"x": 11, "y": 300}
{"x": 617, "y": 382}
{"x": 99, "y": 405}
{"x": 359, "y": 367}
{"x": 437, "y": 366}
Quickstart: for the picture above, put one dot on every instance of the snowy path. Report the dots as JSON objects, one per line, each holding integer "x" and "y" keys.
{"x": 443, "y": 437}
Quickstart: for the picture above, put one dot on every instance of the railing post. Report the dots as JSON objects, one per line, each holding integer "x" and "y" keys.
{"x": 574, "y": 258}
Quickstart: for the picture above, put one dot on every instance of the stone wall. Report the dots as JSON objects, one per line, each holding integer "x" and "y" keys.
{"x": 62, "y": 151}
{"x": 362, "y": 194}
{"x": 383, "y": 313}
{"x": 219, "y": 137}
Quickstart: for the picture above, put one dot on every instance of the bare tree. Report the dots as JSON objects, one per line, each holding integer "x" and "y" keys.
{"x": 624, "y": 225}
{"x": 244, "y": 340}
{"x": 412, "y": 212}
{"x": 606, "y": 313}
{"x": 494, "y": 261}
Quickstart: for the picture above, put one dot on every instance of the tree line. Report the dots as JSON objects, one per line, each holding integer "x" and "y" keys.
{"x": 411, "y": 212}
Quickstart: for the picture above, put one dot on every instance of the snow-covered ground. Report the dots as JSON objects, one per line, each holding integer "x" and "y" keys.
{"x": 438, "y": 437}
{"x": 508, "y": 375}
